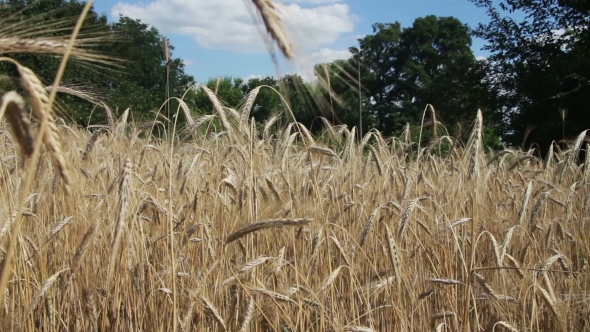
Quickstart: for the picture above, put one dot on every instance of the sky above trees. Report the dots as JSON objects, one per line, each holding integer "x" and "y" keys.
{"x": 219, "y": 38}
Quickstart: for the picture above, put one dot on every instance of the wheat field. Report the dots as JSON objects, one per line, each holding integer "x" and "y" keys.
{"x": 266, "y": 227}
{"x": 253, "y": 231}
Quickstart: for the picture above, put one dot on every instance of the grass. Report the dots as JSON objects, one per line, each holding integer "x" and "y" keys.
{"x": 278, "y": 230}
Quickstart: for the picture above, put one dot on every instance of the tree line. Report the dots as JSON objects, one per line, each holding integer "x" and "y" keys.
{"x": 531, "y": 88}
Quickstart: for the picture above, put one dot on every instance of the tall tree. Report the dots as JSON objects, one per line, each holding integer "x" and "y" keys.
{"x": 430, "y": 62}
{"x": 539, "y": 62}
{"x": 142, "y": 84}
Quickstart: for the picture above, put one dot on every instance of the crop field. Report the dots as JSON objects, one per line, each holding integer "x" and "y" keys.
{"x": 245, "y": 230}
{"x": 266, "y": 227}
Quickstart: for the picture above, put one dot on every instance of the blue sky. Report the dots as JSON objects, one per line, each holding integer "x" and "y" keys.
{"x": 219, "y": 38}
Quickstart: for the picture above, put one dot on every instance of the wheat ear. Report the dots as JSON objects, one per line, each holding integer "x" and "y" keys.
{"x": 265, "y": 224}
{"x": 274, "y": 27}
{"x": 120, "y": 225}
{"x": 40, "y": 101}
{"x": 14, "y": 106}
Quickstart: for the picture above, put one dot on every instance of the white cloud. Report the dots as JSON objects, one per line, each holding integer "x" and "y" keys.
{"x": 315, "y": 2}
{"x": 305, "y": 64}
{"x": 228, "y": 25}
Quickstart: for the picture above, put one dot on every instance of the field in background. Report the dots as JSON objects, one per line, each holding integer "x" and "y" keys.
{"x": 373, "y": 235}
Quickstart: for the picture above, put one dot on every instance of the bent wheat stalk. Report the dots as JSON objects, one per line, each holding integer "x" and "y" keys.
{"x": 265, "y": 224}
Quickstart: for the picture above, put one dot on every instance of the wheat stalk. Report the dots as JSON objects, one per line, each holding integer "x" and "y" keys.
{"x": 259, "y": 225}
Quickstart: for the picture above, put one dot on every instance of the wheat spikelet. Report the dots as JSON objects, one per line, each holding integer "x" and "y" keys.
{"x": 186, "y": 111}
{"x": 403, "y": 225}
{"x": 120, "y": 224}
{"x": 525, "y": 202}
{"x": 268, "y": 123}
{"x": 219, "y": 109}
{"x": 506, "y": 243}
{"x": 264, "y": 225}
{"x": 474, "y": 145}
{"x": 497, "y": 249}
{"x": 196, "y": 124}
{"x": 545, "y": 295}
{"x": 248, "y": 316}
{"x": 322, "y": 151}
{"x": 39, "y": 99}
{"x": 48, "y": 282}
{"x": 342, "y": 252}
{"x": 376, "y": 160}
{"x": 368, "y": 225}
{"x": 459, "y": 222}
{"x": 273, "y": 189}
{"x": 213, "y": 312}
{"x": 586, "y": 176}
{"x": 357, "y": 328}
{"x": 547, "y": 264}
{"x": 122, "y": 123}
{"x": 247, "y": 267}
{"x": 549, "y": 157}
{"x": 79, "y": 254}
{"x": 305, "y": 134}
{"x": 568, "y": 201}
{"x": 273, "y": 295}
{"x": 505, "y": 325}
{"x": 441, "y": 327}
{"x": 536, "y": 209}
{"x": 487, "y": 288}
{"x": 375, "y": 287}
{"x": 248, "y": 103}
{"x": 14, "y": 106}
{"x": 7, "y": 224}
{"x": 394, "y": 254}
{"x": 445, "y": 281}
{"x": 315, "y": 247}
{"x": 274, "y": 27}
{"x": 91, "y": 143}
{"x": 279, "y": 261}
{"x": 186, "y": 322}
{"x": 60, "y": 225}
{"x": 330, "y": 279}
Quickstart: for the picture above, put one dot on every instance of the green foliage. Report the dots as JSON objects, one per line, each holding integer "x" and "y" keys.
{"x": 338, "y": 92}
{"x": 540, "y": 66}
{"x": 140, "y": 83}
{"x": 404, "y": 70}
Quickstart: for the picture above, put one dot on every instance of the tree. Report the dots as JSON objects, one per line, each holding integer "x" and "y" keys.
{"x": 540, "y": 66}
{"x": 139, "y": 83}
{"x": 338, "y": 92}
{"x": 431, "y": 62}
{"x": 50, "y": 19}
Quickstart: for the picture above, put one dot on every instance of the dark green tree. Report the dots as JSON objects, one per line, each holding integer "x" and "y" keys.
{"x": 142, "y": 84}
{"x": 404, "y": 70}
{"x": 51, "y": 19}
{"x": 539, "y": 63}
